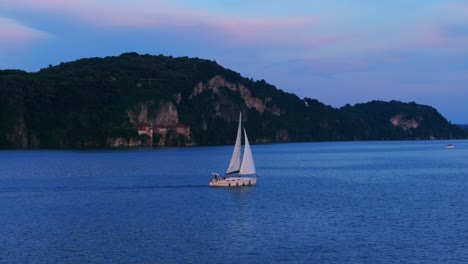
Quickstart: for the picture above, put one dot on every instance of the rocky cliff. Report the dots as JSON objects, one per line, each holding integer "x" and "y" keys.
{"x": 159, "y": 121}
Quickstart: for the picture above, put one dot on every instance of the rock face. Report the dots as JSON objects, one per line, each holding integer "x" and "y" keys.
{"x": 217, "y": 82}
{"x": 19, "y": 134}
{"x": 163, "y": 113}
{"x": 400, "y": 121}
{"x": 166, "y": 115}
{"x": 122, "y": 142}
{"x": 157, "y": 120}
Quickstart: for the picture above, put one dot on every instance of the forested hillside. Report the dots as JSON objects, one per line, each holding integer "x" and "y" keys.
{"x": 143, "y": 100}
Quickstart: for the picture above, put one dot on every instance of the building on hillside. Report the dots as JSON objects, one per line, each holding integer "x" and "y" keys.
{"x": 179, "y": 129}
{"x": 145, "y": 129}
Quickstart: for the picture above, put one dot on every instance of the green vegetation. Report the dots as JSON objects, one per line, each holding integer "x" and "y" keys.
{"x": 85, "y": 103}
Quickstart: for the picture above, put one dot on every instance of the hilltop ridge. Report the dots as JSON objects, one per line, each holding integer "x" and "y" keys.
{"x": 143, "y": 100}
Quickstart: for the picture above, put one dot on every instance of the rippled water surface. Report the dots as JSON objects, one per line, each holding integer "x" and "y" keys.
{"x": 353, "y": 202}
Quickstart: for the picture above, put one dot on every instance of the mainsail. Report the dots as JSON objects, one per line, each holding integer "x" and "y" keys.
{"x": 235, "y": 163}
{"x": 248, "y": 166}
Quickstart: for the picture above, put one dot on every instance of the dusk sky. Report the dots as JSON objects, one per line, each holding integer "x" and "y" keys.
{"x": 338, "y": 51}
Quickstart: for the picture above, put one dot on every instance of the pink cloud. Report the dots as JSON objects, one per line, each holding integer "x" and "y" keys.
{"x": 434, "y": 31}
{"x": 233, "y": 30}
{"x": 13, "y": 33}
{"x": 317, "y": 41}
{"x": 161, "y": 14}
{"x": 433, "y": 36}
{"x": 457, "y": 10}
{"x": 98, "y": 12}
{"x": 257, "y": 31}
{"x": 45, "y": 5}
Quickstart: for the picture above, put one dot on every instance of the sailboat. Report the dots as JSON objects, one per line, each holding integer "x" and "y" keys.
{"x": 238, "y": 170}
{"x": 450, "y": 146}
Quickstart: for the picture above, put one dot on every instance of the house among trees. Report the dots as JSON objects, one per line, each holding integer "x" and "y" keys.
{"x": 169, "y": 135}
{"x": 179, "y": 129}
{"x": 145, "y": 129}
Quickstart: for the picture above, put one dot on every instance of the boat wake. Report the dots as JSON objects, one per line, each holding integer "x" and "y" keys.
{"x": 98, "y": 188}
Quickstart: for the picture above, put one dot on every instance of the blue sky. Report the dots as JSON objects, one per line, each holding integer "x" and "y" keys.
{"x": 339, "y": 52}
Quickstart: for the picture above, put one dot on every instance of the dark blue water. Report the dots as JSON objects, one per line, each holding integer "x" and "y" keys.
{"x": 359, "y": 202}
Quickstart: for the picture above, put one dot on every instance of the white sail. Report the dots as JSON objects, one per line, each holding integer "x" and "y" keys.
{"x": 248, "y": 166}
{"x": 235, "y": 163}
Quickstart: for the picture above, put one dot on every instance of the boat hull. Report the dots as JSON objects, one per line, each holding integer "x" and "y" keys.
{"x": 233, "y": 182}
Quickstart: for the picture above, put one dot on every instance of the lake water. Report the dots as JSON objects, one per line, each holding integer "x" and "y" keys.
{"x": 351, "y": 202}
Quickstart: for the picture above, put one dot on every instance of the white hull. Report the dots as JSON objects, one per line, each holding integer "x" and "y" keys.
{"x": 233, "y": 182}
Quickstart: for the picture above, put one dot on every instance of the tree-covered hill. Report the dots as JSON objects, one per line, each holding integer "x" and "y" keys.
{"x": 144, "y": 100}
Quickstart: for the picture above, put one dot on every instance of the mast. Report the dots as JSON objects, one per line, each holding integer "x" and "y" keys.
{"x": 235, "y": 163}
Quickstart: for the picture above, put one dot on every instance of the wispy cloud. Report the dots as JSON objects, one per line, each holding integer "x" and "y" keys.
{"x": 14, "y": 33}
{"x": 444, "y": 29}
{"x": 454, "y": 10}
{"x": 162, "y": 15}
{"x": 143, "y": 13}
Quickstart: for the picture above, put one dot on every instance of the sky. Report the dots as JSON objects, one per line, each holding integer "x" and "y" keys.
{"x": 337, "y": 51}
